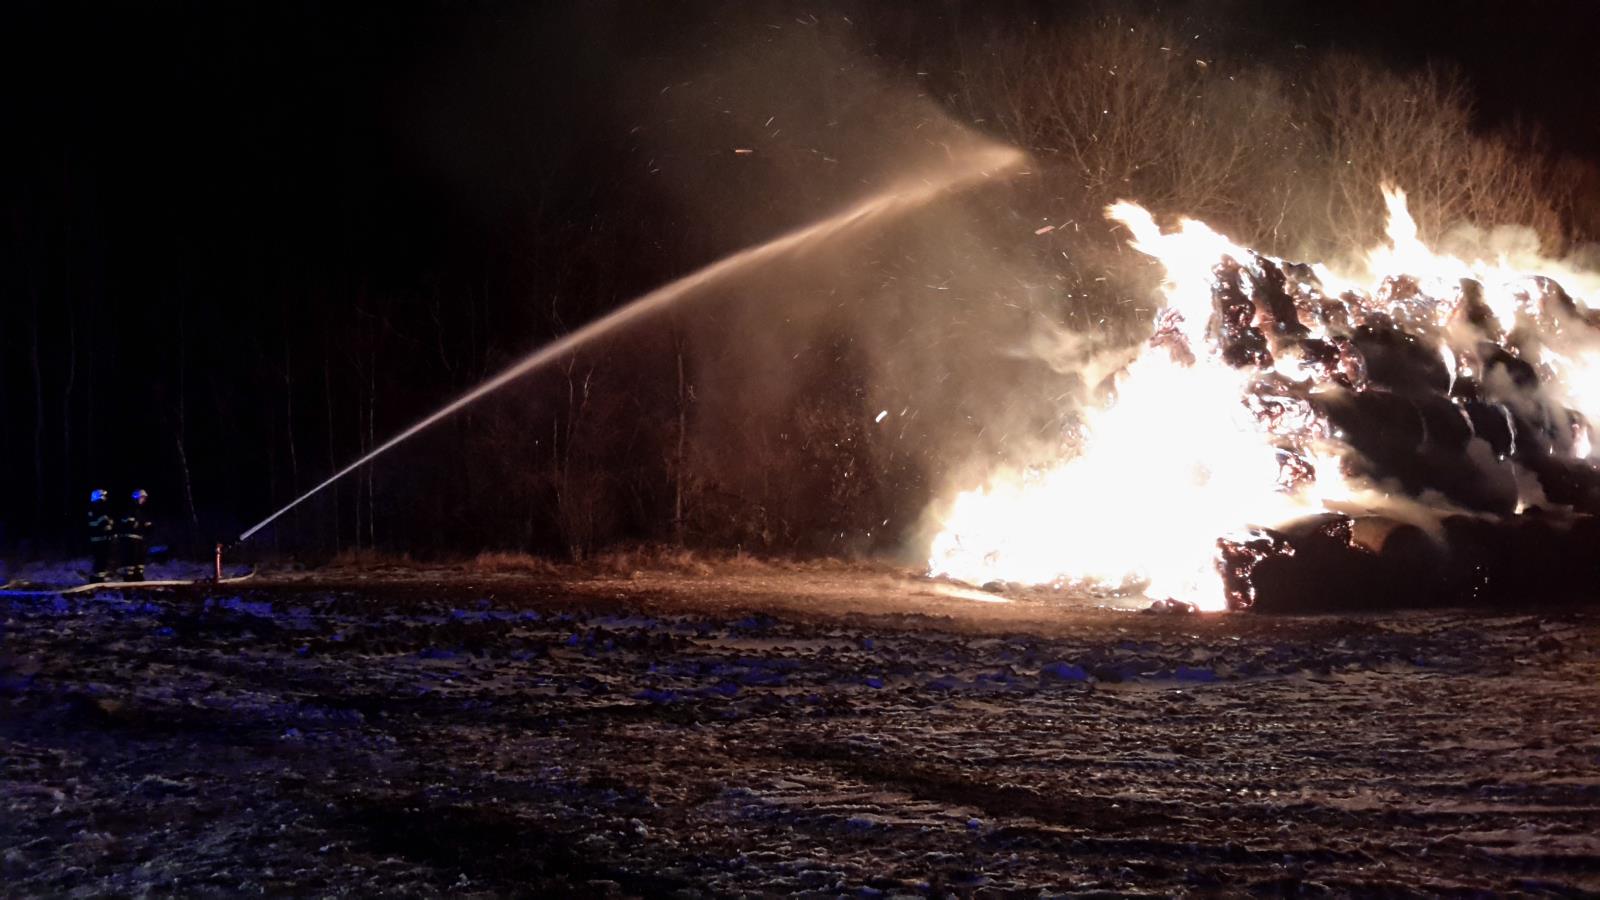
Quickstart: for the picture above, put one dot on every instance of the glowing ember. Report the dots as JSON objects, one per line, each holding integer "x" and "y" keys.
{"x": 1270, "y": 392}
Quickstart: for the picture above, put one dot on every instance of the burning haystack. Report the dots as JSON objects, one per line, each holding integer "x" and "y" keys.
{"x": 1289, "y": 440}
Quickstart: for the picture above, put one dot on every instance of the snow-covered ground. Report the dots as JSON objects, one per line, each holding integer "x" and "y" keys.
{"x": 66, "y": 573}
{"x": 828, "y": 730}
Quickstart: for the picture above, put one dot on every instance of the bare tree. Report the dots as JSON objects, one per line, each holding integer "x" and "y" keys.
{"x": 581, "y": 489}
{"x": 1417, "y": 131}
{"x": 1120, "y": 106}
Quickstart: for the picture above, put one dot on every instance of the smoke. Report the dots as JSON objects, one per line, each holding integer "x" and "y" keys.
{"x": 835, "y": 389}
{"x": 1521, "y": 248}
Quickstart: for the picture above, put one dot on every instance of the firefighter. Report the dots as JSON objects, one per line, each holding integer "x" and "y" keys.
{"x": 132, "y": 528}
{"x": 102, "y": 536}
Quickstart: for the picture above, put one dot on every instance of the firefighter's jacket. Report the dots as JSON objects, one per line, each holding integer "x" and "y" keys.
{"x": 135, "y": 524}
{"x": 101, "y": 526}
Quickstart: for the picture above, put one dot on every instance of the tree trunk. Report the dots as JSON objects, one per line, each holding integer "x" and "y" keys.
{"x": 333, "y": 459}
{"x": 67, "y": 488}
{"x": 288, "y": 423}
{"x": 179, "y": 432}
{"x": 288, "y": 417}
{"x": 678, "y": 467}
{"x": 38, "y": 421}
{"x": 361, "y": 449}
{"x": 188, "y": 483}
{"x": 372, "y": 441}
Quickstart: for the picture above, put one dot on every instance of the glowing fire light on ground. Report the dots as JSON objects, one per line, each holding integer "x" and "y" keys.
{"x": 1230, "y": 417}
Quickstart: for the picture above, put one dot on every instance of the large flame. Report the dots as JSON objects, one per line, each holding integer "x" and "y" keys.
{"x": 1203, "y": 441}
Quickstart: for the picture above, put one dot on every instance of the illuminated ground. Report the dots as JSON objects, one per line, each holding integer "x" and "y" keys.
{"x": 831, "y": 731}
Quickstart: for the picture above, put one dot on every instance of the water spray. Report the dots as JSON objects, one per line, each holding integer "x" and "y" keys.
{"x": 983, "y": 162}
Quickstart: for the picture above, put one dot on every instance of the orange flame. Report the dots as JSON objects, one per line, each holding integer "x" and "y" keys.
{"x": 1177, "y": 460}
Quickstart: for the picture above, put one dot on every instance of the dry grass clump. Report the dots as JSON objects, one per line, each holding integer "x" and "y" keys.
{"x": 503, "y": 562}
{"x": 369, "y": 560}
{"x": 666, "y": 558}
{"x": 648, "y": 557}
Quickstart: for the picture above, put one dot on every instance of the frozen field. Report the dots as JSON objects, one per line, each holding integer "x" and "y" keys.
{"x": 832, "y": 730}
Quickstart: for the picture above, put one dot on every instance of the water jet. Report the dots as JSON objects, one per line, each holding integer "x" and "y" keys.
{"x": 904, "y": 195}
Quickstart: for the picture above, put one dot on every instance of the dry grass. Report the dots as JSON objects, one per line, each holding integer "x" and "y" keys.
{"x": 372, "y": 559}
{"x": 503, "y": 562}
{"x": 666, "y": 558}
{"x": 626, "y": 561}
{"x": 648, "y": 557}
{"x": 663, "y": 558}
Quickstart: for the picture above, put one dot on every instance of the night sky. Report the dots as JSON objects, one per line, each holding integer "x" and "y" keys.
{"x": 206, "y": 201}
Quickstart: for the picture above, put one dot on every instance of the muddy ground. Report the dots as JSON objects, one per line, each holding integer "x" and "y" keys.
{"x": 831, "y": 731}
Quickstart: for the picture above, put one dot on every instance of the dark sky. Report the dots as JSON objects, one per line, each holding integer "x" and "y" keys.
{"x": 192, "y": 186}
{"x": 231, "y": 119}
{"x": 1531, "y": 61}
{"x": 326, "y": 131}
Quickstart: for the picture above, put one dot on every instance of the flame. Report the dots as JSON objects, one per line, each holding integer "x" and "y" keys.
{"x": 1197, "y": 445}
{"x": 1073, "y": 522}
